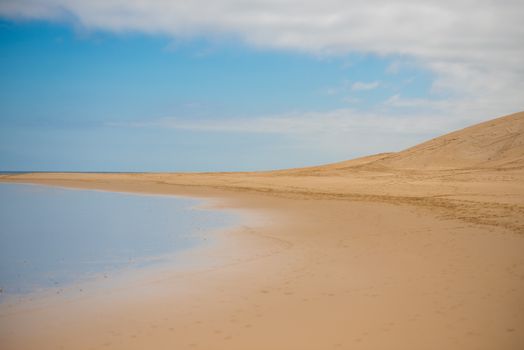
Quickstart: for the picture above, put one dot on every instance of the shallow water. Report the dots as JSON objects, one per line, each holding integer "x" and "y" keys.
{"x": 51, "y": 237}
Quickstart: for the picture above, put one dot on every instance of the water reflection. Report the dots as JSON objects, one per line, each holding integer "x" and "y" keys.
{"x": 51, "y": 236}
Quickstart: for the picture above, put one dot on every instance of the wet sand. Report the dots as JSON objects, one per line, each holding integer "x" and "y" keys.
{"x": 323, "y": 273}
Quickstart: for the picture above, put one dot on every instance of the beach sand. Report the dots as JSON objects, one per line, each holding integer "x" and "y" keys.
{"x": 421, "y": 249}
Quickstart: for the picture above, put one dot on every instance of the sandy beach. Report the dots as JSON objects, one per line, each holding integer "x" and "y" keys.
{"x": 420, "y": 249}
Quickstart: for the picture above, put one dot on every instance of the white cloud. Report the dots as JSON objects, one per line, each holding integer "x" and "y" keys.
{"x": 445, "y": 30}
{"x": 340, "y": 121}
{"x": 341, "y": 132}
{"x": 362, "y": 86}
{"x": 474, "y": 47}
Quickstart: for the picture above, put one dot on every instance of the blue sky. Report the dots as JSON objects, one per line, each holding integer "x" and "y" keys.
{"x": 77, "y": 97}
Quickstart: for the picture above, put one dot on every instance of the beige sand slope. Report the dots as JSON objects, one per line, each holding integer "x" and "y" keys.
{"x": 498, "y": 143}
{"x": 420, "y": 249}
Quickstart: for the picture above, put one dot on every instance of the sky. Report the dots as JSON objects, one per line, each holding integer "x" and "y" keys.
{"x": 114, "y": 85}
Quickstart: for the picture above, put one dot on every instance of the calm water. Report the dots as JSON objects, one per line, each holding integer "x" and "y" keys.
{"x": 50, "y": 237}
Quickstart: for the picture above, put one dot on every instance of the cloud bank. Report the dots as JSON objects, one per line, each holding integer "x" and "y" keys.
{"x": 464, "y": 30}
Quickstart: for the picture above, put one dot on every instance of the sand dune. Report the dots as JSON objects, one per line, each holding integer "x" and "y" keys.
{"x": 420, "y": 249}
{"x": 498, "y": 143}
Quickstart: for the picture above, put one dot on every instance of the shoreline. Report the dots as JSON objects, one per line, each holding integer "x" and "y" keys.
{"x": 190, "y": 259}
{"x": 353, "y": 274}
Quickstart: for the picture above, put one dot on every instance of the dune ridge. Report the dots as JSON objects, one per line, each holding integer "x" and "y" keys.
{"x": 497, "y": 143}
